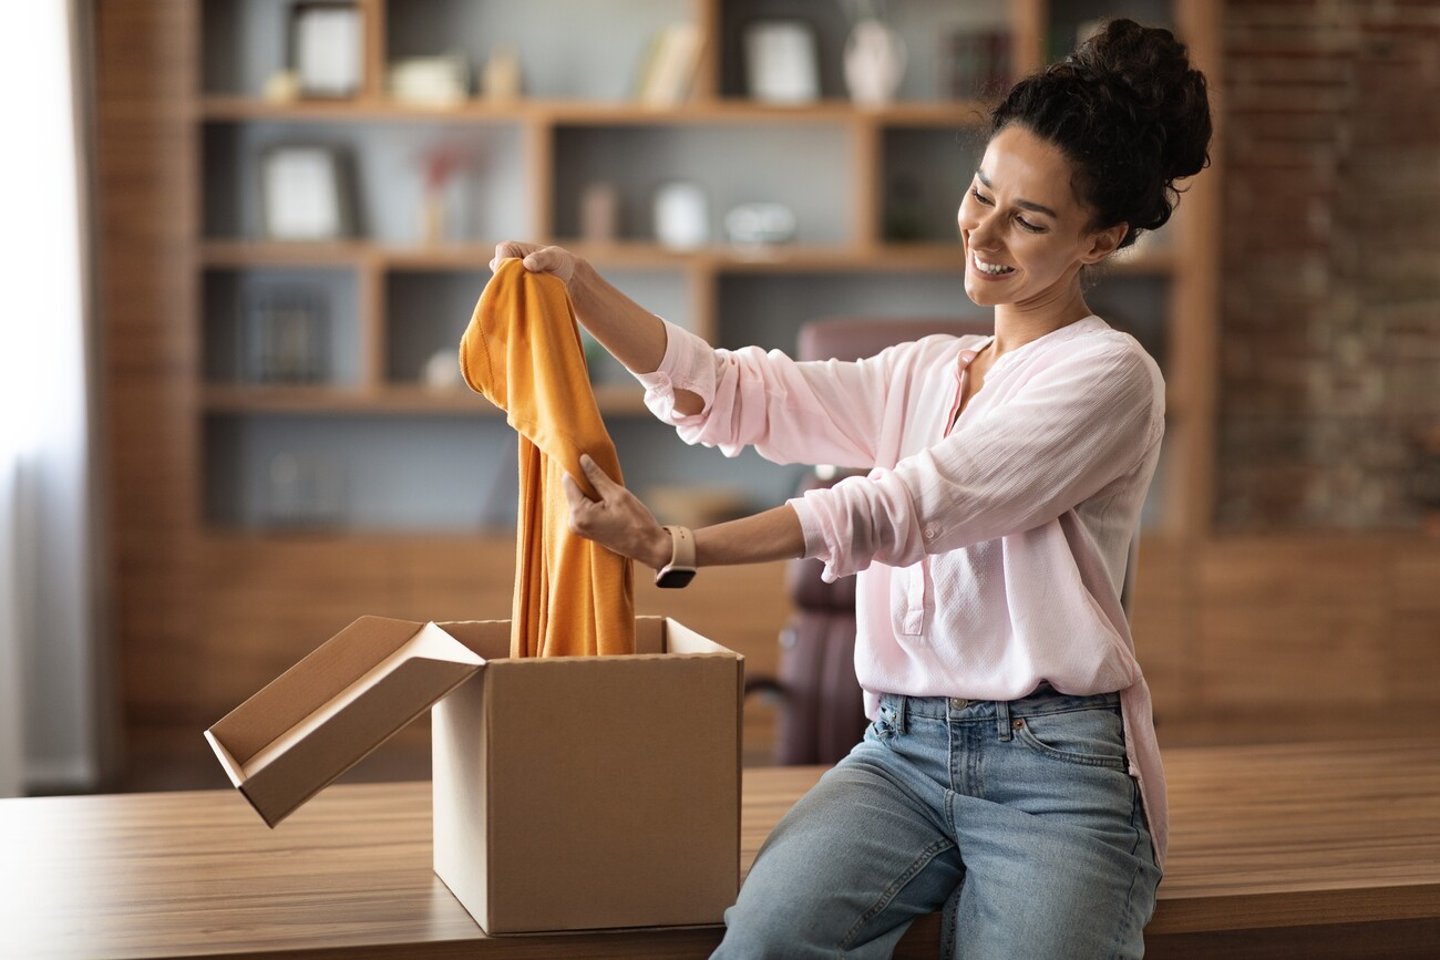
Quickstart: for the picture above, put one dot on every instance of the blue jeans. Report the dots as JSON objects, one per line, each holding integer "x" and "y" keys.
{"x": 1017, "y": 818}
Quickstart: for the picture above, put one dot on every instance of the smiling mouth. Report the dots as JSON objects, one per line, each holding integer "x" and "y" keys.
{"x": 990, "y": 269}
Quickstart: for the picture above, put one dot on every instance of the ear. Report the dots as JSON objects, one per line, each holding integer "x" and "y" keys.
{"x": 1104, "y": 242}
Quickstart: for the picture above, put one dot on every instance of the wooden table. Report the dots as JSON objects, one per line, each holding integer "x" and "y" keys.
{"x": 1310, "y": 851}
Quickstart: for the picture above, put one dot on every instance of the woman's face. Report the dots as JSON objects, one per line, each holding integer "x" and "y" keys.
{"x": 1022, "y": 227}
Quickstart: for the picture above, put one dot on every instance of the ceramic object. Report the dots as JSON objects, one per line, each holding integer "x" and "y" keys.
{"x": 760, "y": 224}
{"x": 781, "y": 62}
{"x": 875, "y": 59}
{"x": 682, "y": 217}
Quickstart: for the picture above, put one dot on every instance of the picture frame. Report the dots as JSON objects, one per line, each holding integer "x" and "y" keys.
{"x": 782, "y": 61}
{"x": 326, "y": 45}
{"x": 305, "y": 194}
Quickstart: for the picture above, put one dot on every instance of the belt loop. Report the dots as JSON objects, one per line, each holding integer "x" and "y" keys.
{"x": 1002, "y": 719}
{"x": 902, "y": 707}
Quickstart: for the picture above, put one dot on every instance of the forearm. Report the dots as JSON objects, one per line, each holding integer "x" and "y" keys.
{"x": 773, "y": 535}
{"x": 632, "y": 334}
{"x": 617, "y": 520}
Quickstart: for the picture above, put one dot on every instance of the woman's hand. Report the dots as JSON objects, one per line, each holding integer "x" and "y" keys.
{"x": 618, "y": 520}
{"x": 537, "y": 259}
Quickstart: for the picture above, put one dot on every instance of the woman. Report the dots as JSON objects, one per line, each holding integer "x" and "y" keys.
{"x": 1011, "y": 774}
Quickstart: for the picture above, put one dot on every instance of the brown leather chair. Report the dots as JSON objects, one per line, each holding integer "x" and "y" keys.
{"x": 820, "y": 712}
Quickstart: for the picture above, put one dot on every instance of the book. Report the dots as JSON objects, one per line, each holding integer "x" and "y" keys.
{"x": 668, "y": 70}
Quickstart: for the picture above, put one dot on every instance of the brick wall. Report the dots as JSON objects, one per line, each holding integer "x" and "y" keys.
{"x": 1330, "y": 284}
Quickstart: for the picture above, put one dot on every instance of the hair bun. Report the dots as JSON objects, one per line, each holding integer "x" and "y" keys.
{"x": 1130, "y": 114}
{"x": 1149, "y": 74}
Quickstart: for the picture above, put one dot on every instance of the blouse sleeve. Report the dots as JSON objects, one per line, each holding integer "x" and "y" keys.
{"x": 791, "y": 412}
{"x": 1070, "y": 431}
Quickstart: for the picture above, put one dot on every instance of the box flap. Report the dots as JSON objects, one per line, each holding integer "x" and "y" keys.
{"x": 330, "y": 710}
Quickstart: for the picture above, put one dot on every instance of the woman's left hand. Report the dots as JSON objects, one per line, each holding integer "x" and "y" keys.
{"x": 618, "y": 520}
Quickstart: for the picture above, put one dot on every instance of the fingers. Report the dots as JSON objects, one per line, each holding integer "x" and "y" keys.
{"x": 553, "y": 260}
{"x": 598, "y": 478}
{"x": 508, "y": 249}
{"x": 580, "y": 506}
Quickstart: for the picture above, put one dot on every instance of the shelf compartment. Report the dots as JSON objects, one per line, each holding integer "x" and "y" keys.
{"x": 923, "y": 178}
{"x": 313, "y": 473}
{"x": 924, "y": 28}
{"x": 638, "y": 160}
{"x": 428, "y": 312}
{"x": 236, "y": 300}
{"x": 484, "y": 198}
{"x": 558, "y": 42}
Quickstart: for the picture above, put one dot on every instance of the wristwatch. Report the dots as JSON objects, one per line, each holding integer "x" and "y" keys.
{"x": 681, "y": 568}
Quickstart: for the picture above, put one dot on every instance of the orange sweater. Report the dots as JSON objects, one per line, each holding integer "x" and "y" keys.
{"x": 522, "y": 351}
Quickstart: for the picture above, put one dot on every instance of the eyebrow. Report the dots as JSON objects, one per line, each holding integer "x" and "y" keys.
{"x": 1027, "y": 204}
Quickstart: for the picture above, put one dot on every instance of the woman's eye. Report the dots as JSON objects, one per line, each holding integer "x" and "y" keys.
{"x": 1033, "y": 228}
{"x": 976, "y": 194}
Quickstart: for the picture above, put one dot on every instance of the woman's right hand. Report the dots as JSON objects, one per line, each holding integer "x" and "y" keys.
{"x": 556, "y": 261}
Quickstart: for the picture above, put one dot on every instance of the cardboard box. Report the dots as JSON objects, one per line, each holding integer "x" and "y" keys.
{"x": 570, "y": 793}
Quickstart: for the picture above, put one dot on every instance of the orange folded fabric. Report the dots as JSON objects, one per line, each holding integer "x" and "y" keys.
{"x": 522, "y": 351}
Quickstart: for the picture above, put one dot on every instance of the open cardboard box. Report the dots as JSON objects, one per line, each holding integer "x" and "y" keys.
{"x": 570, "y": 793}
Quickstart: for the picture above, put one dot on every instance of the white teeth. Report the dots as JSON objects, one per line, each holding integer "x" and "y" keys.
{"x": 993, "y": 269}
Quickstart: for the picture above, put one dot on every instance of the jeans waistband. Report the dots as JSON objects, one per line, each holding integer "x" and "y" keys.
{"x": 1045, "y": 699}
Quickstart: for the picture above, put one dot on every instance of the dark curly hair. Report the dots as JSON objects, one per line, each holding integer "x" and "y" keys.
{"x": 1131, "y": 115}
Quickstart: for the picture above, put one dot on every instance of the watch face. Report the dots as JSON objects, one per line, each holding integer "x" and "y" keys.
{"x": 674, "y": 577}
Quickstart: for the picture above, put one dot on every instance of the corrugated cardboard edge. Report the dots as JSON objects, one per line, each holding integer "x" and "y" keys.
{"x": 697, "y": 640}
{"x": 273, "y": 813}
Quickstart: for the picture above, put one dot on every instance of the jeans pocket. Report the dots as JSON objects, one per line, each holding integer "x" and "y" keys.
{"x": 1092, "y": 737}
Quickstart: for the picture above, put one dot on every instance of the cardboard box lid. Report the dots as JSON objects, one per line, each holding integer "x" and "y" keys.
{"x": 330, "y": 710}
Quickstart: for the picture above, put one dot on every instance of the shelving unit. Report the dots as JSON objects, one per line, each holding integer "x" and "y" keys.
{"x": 831, "y": 161}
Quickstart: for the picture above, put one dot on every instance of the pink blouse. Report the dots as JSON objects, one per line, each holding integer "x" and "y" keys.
{"x": 990, "y": 555}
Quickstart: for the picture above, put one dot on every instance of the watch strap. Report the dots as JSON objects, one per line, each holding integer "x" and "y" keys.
{"x": 682, "y": 547}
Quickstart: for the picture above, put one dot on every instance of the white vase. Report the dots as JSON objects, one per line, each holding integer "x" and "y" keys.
{"x": 875, "y": 60}
{"x": 682, "y": 216}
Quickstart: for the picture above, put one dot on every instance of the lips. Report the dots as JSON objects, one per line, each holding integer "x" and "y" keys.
{"x": 988, "y": 270}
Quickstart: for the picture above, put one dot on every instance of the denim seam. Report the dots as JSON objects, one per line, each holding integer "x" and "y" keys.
{"x": 888, "y": 895}
{"x": 1130, "y": 893}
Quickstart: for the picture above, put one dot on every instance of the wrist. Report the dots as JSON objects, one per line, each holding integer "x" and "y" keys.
{"x": 582, "y": 278}
{"x": 661, "y": 548}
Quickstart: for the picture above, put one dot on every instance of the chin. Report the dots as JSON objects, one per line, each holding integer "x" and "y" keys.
{"x": 979, "y": 295}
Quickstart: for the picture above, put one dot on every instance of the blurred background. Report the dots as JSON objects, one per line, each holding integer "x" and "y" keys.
{"x": 246, "y": 235}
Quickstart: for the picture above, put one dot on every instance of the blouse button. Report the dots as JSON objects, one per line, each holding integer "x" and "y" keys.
{"x": 931, "y": 533}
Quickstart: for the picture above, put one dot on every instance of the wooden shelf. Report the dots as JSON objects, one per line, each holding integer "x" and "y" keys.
{"x": 881, "y": 258}
{"x": 591, "y": 112}
{"x": 617, "y": 400}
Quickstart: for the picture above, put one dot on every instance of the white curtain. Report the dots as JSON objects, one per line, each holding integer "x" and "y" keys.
{"x": 50, "y": 657}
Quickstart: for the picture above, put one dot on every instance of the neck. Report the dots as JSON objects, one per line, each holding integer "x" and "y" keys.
{"x": 1016, "y": 324}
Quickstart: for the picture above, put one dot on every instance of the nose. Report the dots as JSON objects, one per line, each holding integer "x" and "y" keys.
{"x": 979, "y": 230}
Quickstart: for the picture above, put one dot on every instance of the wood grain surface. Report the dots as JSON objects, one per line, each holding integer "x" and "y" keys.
{"x": 1276, "y": 851}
